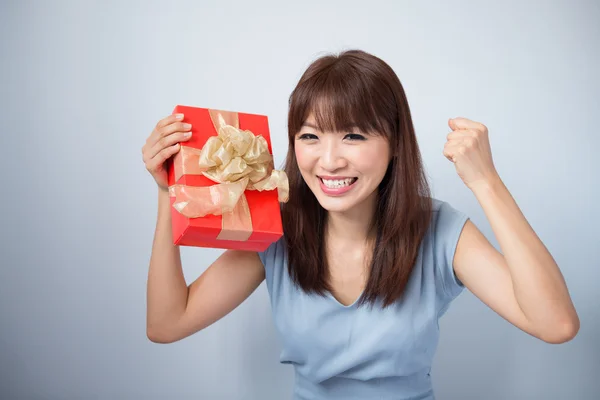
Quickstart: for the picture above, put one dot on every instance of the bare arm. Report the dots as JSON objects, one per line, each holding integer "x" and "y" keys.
{"x": 167, "y": 290}
{"x": 524, "y": 285}
{"x": 174, "y": 310}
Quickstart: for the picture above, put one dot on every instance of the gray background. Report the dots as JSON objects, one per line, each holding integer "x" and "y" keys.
{"x": 83, "y": 84}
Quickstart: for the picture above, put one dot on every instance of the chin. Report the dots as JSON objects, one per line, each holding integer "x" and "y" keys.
{"x": 336, "y": 205}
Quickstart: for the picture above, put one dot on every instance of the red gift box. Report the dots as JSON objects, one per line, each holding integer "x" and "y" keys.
{"x": 222, "y": 231}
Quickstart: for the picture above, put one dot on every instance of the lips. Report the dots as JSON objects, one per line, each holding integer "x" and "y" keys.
{"x": 336, "y": 185}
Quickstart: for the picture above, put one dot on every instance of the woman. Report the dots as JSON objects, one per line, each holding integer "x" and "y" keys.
{"x": 369, "y": 261}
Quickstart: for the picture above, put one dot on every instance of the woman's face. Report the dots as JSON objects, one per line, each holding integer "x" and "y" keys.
{"x": 343, "y": 169}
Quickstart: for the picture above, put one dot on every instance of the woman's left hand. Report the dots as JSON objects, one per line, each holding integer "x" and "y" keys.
{"x": 468, "y": 147}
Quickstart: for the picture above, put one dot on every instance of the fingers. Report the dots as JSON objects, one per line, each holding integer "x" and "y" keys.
{"x": 167, "y": 126}
{"x": 169, "y": 120}
{"x": 461, "y": 134}
{"x": 159, "y": 159}
{"x": 173, "y": 127}
{"x": 164, "y": 140}
{"x": 465, "y": 123}
{"x": 450, "y": 152}
{"x": 167, "y": 141}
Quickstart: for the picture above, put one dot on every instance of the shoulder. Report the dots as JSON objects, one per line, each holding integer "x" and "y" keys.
{"x": 439, "y": 205}
{"x": 446, "y": 219}
{"x": 445, "y": 231}
{"x": 275, "y": 252}
{"x": 274, "y": 259}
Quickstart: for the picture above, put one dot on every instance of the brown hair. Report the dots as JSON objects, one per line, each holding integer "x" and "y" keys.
{"x": 358, "y": 89}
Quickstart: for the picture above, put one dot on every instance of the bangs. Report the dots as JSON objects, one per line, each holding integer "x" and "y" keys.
{"x": 340, "y": 98}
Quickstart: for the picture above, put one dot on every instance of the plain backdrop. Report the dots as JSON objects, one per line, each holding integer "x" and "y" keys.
{"x": 84, "y": 82}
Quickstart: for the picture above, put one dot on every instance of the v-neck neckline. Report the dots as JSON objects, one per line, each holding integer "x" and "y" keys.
{"x": 332, "y": 297}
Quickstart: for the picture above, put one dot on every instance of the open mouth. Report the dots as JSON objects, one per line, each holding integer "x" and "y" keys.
{"x": 337, "y": 185}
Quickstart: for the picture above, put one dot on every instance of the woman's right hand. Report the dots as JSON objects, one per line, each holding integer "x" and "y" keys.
{"x": 162, "y": 144}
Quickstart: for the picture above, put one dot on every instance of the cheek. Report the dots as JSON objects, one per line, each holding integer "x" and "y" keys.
{"x": 302, "y": 158}
{"x": 373, "y": 160}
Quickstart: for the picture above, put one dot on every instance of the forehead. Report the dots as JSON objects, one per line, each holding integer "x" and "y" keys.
{"x": 311, "y": 122}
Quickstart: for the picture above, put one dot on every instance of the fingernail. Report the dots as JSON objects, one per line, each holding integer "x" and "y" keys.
{"x": 187, "y": 126}
{"x": 187, "y": 134}
{"x": 179, "y": 116}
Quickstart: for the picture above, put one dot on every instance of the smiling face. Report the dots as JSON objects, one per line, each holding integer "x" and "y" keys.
{"x": 342, "y": 169}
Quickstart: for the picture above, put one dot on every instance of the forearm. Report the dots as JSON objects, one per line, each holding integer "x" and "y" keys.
{"x": 167, "y": 291}
{"x": 538, "y": 283}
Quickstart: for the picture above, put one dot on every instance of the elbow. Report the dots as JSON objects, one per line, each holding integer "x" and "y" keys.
{"x": 158, "y": 339}
{"x": 158, "y": 336}
{"x": 563, "y": 332}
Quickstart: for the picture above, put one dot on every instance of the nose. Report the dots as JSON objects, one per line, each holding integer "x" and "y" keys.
{"x": 332, "y": 157}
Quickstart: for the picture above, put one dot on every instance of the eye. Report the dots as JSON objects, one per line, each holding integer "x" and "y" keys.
{"x": 355, "y": 136}
{"x": 307, "y": 136}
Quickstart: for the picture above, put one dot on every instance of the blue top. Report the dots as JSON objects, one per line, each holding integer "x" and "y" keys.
{"x": 347, "y": 352}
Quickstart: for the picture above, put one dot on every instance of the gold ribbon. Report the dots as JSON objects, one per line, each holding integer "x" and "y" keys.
{"x": 237, "y": 160}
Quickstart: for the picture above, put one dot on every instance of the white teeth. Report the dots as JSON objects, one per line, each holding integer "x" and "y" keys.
{"x": 335, "y": 183}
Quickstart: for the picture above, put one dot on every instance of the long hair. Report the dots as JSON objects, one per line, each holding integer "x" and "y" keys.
{"x": 358, "y": 89}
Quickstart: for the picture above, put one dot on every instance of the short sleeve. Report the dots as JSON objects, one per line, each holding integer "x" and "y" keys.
{"x": 449, "y": 223}
{"x": 273, "y": 259}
